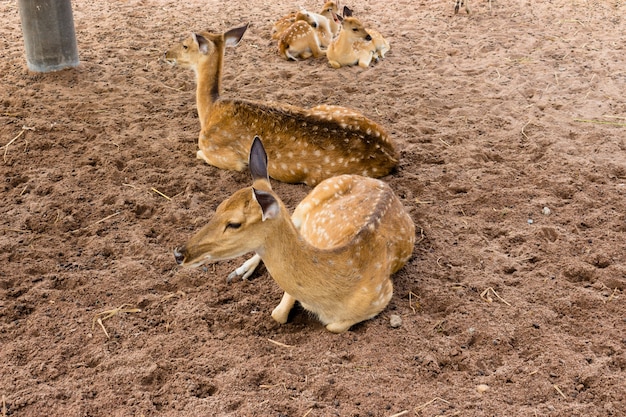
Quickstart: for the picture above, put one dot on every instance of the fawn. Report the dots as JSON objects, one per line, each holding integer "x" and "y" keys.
{"x": 305, "y": 145}
{"x": 301, "y": 40}
{"x": 334, "y": 255}
{"x": 353, "y": 45}
{"x": 381, "y": 44}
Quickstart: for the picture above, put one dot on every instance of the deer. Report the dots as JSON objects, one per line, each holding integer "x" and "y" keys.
{"x": 306, "y": 145}
{"x": 381, "y": 45}
{"x": 329, "y": 11}
{"x": 334, "y": 255}
{"x": 353, "y": 45}
{"x": 301, "y": 40}
{"x": 460, "y": 3}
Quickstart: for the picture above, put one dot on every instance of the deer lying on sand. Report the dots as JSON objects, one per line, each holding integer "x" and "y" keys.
{"x": 301, "y": 40}
{"x": 381, "y": 44}
{"x": 353, "y": 45}
{"x": 329, "y": 11}
{"x": 305, "y": 145}
{"x": 336, "y": 253}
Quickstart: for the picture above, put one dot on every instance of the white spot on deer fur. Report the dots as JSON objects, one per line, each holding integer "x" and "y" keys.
{"x": 317, "y": 152}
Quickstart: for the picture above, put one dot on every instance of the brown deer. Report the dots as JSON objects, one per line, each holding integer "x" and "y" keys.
{"x": 336, "y": 253}
{"x": 329, "y": 11}
{"x": 301, "y": 40}
{"x": 305, "y": 145}
{"x": 353, "y": 45}
{"x": 381, "y": 44}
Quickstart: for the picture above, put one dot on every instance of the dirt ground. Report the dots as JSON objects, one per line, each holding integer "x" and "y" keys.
{"x": 511, "y": 126}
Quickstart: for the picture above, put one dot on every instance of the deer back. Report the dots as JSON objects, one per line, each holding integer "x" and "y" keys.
{"x": 300, "y": 40}
{"x": 304, "y": 145}
{"x": 359, "y": 216}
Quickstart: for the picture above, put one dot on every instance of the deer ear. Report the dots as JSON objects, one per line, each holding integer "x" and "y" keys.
{"x": 233, "y": 36}
{"x": 258, "y": 161}
{"x": 203, "y": 43}
{"x": 269, "y": 204}
{"x": 346, "y": 11}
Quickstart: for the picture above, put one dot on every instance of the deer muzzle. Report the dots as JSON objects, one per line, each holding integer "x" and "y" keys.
{"x": 179, "y": 255}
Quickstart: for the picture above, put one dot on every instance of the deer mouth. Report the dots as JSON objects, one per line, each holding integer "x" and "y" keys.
{"x": 180, "y": 255}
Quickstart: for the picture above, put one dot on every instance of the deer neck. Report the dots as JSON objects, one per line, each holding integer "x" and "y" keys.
{"x": 295, "y": 264}
{"x": 208, "y": 80}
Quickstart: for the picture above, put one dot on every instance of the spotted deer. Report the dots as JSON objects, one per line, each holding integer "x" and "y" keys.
{"x": 353, "y": 45}
{"x": 381, "y": 44}
{"x": 335, "y": 254}
{"x": 305, "y": 145}
{"x": 301, "y": 40}
{"x": 329, "y": 11}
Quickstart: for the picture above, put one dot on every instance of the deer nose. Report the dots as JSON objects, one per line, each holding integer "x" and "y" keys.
{"x": 179, "y": 256}
{"x": 368, "y": 38}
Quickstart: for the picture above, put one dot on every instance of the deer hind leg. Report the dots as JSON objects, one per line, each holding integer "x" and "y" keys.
{"x": 340, "y": 326}
{"x": 314, "y": 45}
{"x": 223, "y": 159}
{"x": 282, "y": 310}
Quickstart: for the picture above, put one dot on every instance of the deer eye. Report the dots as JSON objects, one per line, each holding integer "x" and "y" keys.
{"x": 355, "y": 29}
{"x": 185, "y": 47}
{"x": 233, "y": 225}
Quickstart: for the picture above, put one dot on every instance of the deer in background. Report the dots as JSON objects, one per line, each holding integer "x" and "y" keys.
{"x": 353, "y": 45}
{"x": 381, "y": 45}
{"x": 336, "y": 253}
{"x": 460, "y": 3}
{"x": 305, "y": 145}
{"x": 329, "y": 11}
{"x": 302, "y": 39}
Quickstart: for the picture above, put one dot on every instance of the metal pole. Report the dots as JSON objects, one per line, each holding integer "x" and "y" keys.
{"x": 49, "y": 38}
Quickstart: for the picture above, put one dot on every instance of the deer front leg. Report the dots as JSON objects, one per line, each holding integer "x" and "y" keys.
{"x": 245, "y": 270}
{"x": 281, "y": 312}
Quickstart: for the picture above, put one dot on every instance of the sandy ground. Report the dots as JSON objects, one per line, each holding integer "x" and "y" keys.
{"x": 511, "y": 128}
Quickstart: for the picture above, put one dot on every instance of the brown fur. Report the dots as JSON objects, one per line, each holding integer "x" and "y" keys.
{"x": 300, "y": 40}
{"x": 329, "y": 11}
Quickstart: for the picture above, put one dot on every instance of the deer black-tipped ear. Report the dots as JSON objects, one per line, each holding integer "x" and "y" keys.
{"x": 268, "y": 204}
{"x": 346, "y": 11}
{"x": 233, "y": 36}
{"x": 257, "y": 161}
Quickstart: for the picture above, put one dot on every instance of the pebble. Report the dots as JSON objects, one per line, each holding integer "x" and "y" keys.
{"x": 395, "y": 321}
{"x": 546, "y": 211}
{"x": 482, "y": 388}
